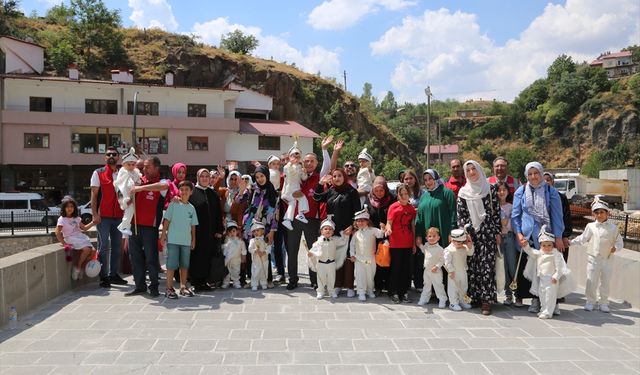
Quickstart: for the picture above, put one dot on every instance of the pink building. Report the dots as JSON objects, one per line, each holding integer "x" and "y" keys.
{"x": 54, "y": 130}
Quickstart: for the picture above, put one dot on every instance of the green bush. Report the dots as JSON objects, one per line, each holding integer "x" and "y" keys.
{"x": 518, "y": 159}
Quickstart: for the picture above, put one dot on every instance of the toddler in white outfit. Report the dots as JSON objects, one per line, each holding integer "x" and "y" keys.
{"x": 433, "y": 262}
{"x": 366, "y": 175}
{"x": 259, "y": 256}
{"x": 364, "y": 255}
{"x": 455, "y": 262}
{"x": 325, "y": 257}
{"x": 294, "y": 174}
{"x": 234, "y": 252}
{"x": 128, "y": 177}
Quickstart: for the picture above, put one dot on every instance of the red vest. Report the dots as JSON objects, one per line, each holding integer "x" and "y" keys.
{"x": 108, "y": 205}
{"x": 146, "y": 206}
{"x": 511, "y": 182}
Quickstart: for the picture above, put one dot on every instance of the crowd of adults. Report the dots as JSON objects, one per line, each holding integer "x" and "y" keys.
{"x": 468, "y": 199}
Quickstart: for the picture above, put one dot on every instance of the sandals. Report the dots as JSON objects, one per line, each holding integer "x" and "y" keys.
{"x": 486, "y": 308}
{"x": 171, "y": 294}
{"x": 186, "y": 292}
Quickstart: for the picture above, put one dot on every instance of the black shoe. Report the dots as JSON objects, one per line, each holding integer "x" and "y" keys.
{"x": 105, "y": 283}
{"x": 560, "y": 300}
{"x": 154, "y": 293}
{"x": 292, "y": 286}
{"x": 395, "y": 298}
{"x": 406, "y": 299}
{"x": 117, "y": 280}
{"x": 136, "y": 292}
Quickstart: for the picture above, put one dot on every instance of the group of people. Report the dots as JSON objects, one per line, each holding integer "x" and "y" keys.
{"x": 468, "y": 239}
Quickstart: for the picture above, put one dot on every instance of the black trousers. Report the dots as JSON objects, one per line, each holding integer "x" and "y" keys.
{"x": 417, "y": 269}
{"x": 279, "y": 247}
{"x": 311, "y": 231}
{"x": 400, "y": 270}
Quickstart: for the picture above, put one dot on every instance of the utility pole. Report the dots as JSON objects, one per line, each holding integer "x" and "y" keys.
{"x": 427, "y": 91}
{"x": 344, "y": 73}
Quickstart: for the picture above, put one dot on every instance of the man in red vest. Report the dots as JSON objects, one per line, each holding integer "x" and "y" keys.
{"x": 457, "y": 180}
{"x": 500, "y": 173}
{"x": 107, "y": 215}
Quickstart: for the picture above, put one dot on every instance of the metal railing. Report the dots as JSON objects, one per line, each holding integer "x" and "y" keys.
{"x": 629, "y": 226}
{"x": 12, "y": 222}
{"x": 161, "y": 113}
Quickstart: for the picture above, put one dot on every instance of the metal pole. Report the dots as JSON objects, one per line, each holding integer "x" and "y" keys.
{"x": 626, "y": 225}
{"x": 134, "y": 142}
{"x": 428, "y": 92}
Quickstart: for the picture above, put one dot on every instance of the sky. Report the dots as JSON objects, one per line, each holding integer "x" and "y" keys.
{"x": 461, "y": 49}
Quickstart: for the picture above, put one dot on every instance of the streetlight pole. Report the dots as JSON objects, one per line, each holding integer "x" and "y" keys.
{"x": 134, "y": 142}
{"x": 427, "y": 91}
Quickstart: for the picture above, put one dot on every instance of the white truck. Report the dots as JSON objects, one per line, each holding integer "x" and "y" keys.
{"x": 576, "y": 186}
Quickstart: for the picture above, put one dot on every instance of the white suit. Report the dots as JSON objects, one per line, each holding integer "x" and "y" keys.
{"x": 123, "y": 184}
{"x": 365, "y": 253}
{"x": 325, "y": 252}
{"x": 549, "y": 266}
{"x": 455, "y": 260}
{"x": 600, "y": 238}
{"x": 259, "y": 263}
{"x": 365, "y": 179}
{"x": 433, "y": 256}
{"x": 233, "y": 249}
{"x": 293, "y": 177}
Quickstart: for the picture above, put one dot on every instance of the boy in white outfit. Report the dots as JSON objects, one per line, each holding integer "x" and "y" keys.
{"x": 274, "y": 171}
{"x": 550, "y": 268}
{"x": 259, "y": 251}
{"x": 364, "y": 254}
{"x": 294, "y": 174}
{"x": 128, "y": 177}
{"x": 433, "y": 262}
{"x": 324, "y": 250}
{"x": 602, "y": 239}
{"x": 366, "y": 175}
{"x": 455, "y": 262}
{"x": 234, "y": 252}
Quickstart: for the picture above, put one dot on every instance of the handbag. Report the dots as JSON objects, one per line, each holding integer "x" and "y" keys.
{"x": 383, "y": 255}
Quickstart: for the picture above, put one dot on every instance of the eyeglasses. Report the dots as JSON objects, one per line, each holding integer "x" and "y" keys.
{"x": 349, "y": 165}
{"x": 111, "y": 154}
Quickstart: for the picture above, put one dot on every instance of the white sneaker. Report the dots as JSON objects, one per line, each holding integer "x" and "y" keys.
{"x": 422, "y": 301}
{"x": 371, "y": 295}
{"x": 337, "y": 291}
{"x": 556, "y": 311}
{"x": 544, "y": 316}
{"x": 237, "y": 285}
{"x": 605, "y": 308}
{"x": 320, "y": 296}
{"x": 287, "y": 224}
{"x": 362, "y": 297}
{"x": 225, "y": 285}
{"x": 334, "y": 295}
{"x": 508, "y": 301}
{"x": 455, "y": 307}
{"x": 126, "y": 232}
{"x": 254, "y": 288}
{"x": 588, "y": 306}
{"x": 75, "y": 273}
{"x": 302, "y": 219}
{"x": 442, "y": 304}
{"x": 465, "y": 306}
{"x": 351, "y": 293}
{"x": 535, "y": 306}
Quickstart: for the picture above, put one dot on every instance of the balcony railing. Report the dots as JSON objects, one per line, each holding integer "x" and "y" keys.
{"x": 178, "y": 114}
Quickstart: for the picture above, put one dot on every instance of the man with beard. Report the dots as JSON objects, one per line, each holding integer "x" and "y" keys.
{"x": 107, "y": 214}
{"x": 457, "y": 180}
{"x": 501, "y": 174}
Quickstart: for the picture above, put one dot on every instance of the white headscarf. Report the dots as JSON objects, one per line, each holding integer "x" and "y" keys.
{"x": 231, "y": 192}
{"x": 534, "y": 196}
{"x": 473, "y": 192}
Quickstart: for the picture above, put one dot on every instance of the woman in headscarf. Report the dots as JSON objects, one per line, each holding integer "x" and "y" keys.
{"x": 534, "y": 204}
{"x": 378, "y": 202}
{"x": 232, "y": 210}
{"x": 179, "y": 172}
{"x": 478, "y": 210}
{"x": 261, "y": 201}
{"x": 208, "y": 232}
{"x": 342, "y": 201}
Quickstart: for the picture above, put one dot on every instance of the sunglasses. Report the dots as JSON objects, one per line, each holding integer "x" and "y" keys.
{"x": 349, "y": 165}
{"x": 111, "y": 154}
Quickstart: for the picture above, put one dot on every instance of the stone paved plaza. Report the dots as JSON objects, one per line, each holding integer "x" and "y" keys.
{"x": 97, "y": 331}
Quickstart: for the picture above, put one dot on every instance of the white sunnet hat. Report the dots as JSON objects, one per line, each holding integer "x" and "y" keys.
{"x": 257, "y": 225}
{"x": 546, "y": 236}
{"x": 272, "y": 158}
{"x": 328, "y": 223}
{"x": 599, "y": 204}
{"x": 130, "y": 156}
{"x": 362, "y": 214}
{"x": 365, "y": 155}
{"x": 458, "y": 235}
{"x": 231, "y": 224}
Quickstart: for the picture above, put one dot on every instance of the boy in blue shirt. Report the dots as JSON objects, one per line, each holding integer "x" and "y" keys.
{"x": 181, "y": 217}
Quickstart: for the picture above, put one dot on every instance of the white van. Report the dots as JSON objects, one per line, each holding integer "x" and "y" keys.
{"x": 26, "y": 208}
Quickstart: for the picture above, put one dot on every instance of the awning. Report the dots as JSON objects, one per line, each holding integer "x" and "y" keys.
{"x": 276, "y": 128}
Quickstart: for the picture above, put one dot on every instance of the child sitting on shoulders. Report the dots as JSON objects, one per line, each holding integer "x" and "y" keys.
{"x": 455, "y": 262}
{"x": 235, "y": 254}
{"x": 294, "y": 175}
{"x": 603, "y": 239}
{"x": 366, "y": 175}
{"x": 259, "y": 251}
{"x": 69, "y": 233}
{"x": 365, "y": 254}
{"x": 549, "y": 269}
{"x": 324, "y": 256}
{"x": 433, "y": 262}
{"x": 128, "y": 177}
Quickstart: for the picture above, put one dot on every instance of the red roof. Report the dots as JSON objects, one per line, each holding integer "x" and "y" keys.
{"x": 445, "y": 149}
{"x": 607, "y": 56}
{"x": 276, "y": 128}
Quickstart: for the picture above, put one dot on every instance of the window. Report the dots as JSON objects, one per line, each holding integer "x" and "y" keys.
{"x": 39, "y": 104}
{"x": 143, "y": 108}
{"x": 16, "y": 205}
{"x": 35, "y": 140}
{"x": 198, "y": 143}
{"x": 268, "y": 143}
{"x": 109, "y": 107}
{"x": 197, "y": 110}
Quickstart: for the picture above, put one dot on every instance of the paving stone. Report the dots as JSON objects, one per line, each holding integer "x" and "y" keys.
{"x": 384, "y": 369}
{"x": 469, "y": 368}
{"x": 303, "y": 345}
{"x": 186, "y": 369}
{"x": 436, "y": 369}
{"x": 316, "y": 358}
{"x": 130, "y": 358}
{"x": 199, "y": 345}
{"x": 19, "y": 359}
{"x": 302, "y": 369}
{"x": 101, "y": 358}
{"x": 477, "y": 355}
{"x": 337, "y": 345}
{"x": 259, "y": 369}
{"x": 566, "y": 354}
{"x": 364, "y": 357}
{"x": 605, "y": 367}
{"x": 347, "y": 370}
{"x": 438, "y": 356}
{"x": 366, "y": 345}
{"x": 402, "y": 357}
{"x": 274, "y": 358}
{"x": 138, "y": 345}
{"x": 515, "y": 355}
{"x": 510, "y": 368}
{"x": 28, "y": 370}
{"x": 233, "y": 345}
{"x": 556, "y": 367}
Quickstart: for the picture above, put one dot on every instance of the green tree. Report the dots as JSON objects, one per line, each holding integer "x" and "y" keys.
{"x": 9, "y": 12}
{"x": 391, "y": 168}
{"x": 368, "y": 102}
{"x": 518, "y": 159}
{"x": 388, "y": 104}
{"x": 59, "y": 15}
{"x": 562, "y": 64}
{"x": 534, "y": 95}
{"x": 635, "y": 52}
{"x": 61, "y": 55}
{"x": 596, "y": 77}
{"x": 239, "y": 42}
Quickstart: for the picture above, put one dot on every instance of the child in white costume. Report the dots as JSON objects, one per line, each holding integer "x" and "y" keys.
{"x": 603, "y": 239}
{"x": 366, "y": 175}
{"x": 259, "y": 251}
{"x": 273, "y": 162}
{"x": 234, "y": 251}
{"x": 128, "y": 177}
{"x": 364, "y": 254}
{"x": 325, "y": 257}
{"x": 294, "y": 174}
{"x": 433, "y": 262}
{"x": 455, "y": 262}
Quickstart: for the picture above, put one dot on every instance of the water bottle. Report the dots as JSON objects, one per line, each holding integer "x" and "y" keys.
{"x": 13, "y": 318}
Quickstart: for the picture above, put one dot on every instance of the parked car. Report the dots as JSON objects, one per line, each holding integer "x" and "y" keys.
{"x": 85, "y": 212}
{"x": 26, "y": 208}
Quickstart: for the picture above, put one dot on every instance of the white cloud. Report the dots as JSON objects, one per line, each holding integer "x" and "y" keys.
{"x": 340, "y": 14}
{"x": 449, "y": 52}
{"x": 153, "y": 14}
{"x": 316, "y": 58}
